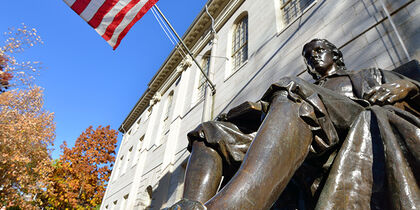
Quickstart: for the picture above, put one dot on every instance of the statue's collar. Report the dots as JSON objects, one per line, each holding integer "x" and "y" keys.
{"x": 338, "y": 72}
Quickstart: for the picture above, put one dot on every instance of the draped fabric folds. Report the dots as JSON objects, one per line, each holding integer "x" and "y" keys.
{"x": 362, "y": 156}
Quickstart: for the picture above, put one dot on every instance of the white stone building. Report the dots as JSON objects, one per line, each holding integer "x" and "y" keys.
{"x": 256, "y": 43}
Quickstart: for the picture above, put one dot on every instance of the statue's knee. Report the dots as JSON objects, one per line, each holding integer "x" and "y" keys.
{"x": 197, "y": 133}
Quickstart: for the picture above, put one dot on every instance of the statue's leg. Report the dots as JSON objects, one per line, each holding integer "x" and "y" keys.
{"x": 204, "y": 173}
{"x": 280, "y": 147}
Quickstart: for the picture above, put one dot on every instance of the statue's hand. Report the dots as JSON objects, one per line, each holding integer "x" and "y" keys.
{"x": 390, "y": 93}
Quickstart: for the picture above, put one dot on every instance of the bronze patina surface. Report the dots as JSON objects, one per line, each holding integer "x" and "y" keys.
{"x": 351, "y": 140}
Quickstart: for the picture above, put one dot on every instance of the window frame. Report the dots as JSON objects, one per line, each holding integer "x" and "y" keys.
{"x": 202, "y": 82}
{"x": 240, "y": 42}
{"x": 299, "y": 14}
{"x": 138, "y": 150}
{"x": 168, "y": 111}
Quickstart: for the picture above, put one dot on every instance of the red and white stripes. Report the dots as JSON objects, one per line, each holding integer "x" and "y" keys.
{"x": 112, "y": 19}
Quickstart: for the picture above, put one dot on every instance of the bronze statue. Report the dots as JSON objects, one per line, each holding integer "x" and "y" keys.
{"x": 351, "y": 140}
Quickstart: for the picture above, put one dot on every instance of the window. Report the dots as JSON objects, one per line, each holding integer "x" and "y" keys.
{"x": 138, "y": 149}
{"x": 201, "y": 88}
{"x": 292, "y": 9}
{"x": 126, "y": 162}
{"x": 169, "y": 105}
{"x": 126, "y": 136}
{"x": 115, "y": 204}
{"x": 118, "y": 167}
{"x": 124, "y": 202}
{"x": 137, "y": 124}
{"x": 240, "y": 43}
{"x": 148, "y": 113}
{"x": 124, "y": 169}
{"x": 166, "y": 118}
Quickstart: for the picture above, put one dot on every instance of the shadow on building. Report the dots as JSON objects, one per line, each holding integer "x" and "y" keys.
{"x": 168, "y": 189}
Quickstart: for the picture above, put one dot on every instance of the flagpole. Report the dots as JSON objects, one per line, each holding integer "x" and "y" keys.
{"x": 213, "y": 90}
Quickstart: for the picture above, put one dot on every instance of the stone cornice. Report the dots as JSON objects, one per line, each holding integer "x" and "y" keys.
{"x": 221, "y": 10}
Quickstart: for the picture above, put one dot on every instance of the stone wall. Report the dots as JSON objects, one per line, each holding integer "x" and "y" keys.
{"x": 359, "y": 28}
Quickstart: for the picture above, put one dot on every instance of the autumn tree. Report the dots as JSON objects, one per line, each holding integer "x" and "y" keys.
{"x": 26, "y": 130}
{"x": 5, "y": 77}
{"x": 80, "y": 175}
{"x": 15, "y": 73}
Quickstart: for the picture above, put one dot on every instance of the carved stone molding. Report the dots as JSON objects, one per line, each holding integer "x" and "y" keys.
{"x": 186, "y": 63}
{"x": 155, "y": 99}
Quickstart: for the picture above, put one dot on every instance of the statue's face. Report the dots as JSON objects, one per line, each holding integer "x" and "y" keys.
{"x": 319, "y": 58}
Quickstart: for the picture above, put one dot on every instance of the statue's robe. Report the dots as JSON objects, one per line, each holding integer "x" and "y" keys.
{"x": 362, "y": 156}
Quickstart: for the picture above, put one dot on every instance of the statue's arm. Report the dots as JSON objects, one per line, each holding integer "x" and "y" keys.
{"x": 395, "y": 88}
{"x": 247, "y": 115}
{"x": 241, "y": 111}
{"x": 246, "y": 108}
{"x": 390, "y": 93}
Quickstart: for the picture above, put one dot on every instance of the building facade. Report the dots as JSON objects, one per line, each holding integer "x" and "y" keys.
{"x": 252, "y": 44}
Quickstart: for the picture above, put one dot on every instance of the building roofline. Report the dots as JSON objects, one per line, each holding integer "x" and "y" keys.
{"x": 199, "y": 26}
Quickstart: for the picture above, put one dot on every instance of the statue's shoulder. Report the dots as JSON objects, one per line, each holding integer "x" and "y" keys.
{"x": 366, "y": 74}
{"x": 365, "y": 71}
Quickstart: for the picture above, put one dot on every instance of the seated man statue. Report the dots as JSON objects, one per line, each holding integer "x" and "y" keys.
{"x": 351, "y": 140}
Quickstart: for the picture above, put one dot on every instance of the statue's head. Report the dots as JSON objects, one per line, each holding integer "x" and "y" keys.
{"x": 322, "y": 58}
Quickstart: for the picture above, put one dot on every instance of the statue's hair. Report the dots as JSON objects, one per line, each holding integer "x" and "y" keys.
{"x": 338, "y": 56}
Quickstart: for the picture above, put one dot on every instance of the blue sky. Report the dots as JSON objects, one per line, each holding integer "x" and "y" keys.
{"x": 85, "y": 82}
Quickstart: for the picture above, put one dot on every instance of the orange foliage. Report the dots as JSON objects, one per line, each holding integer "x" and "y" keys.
{"x": 29, "y": 178}
{"x": 82, "y": 172}
{"x": 26, "y": 132}
{"x": 26, "y": 129}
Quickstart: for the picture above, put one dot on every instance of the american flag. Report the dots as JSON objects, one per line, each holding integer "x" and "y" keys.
{"x": 112, "y": 19}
